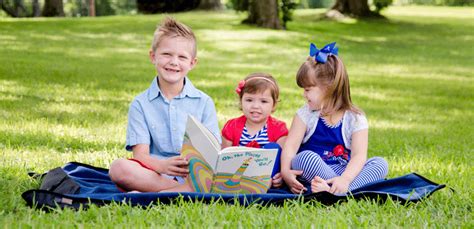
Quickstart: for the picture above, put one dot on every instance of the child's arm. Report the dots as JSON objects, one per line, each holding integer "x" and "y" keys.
{"x": 356, "y": 163}
{"x": 291, "y": 146}
{"x": 227, "y": 134}
{"x": 225, "y": 143}
{"x": 281, "y": 141}
{"x": 173, "y": 166}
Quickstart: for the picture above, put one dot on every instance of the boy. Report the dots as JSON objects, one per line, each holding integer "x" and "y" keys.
{"x": 157, "y": 117}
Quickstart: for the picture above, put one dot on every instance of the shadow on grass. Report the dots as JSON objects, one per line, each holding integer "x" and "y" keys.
{"x": 87, "y": 112}
{"x": 61, "y": 144}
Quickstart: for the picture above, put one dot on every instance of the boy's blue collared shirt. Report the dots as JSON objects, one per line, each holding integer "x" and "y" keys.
{"x": 161, "y": 123}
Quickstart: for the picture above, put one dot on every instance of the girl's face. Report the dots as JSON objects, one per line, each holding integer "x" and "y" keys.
{"x": 257, "y": 107}
{"x": 314, "y": 96}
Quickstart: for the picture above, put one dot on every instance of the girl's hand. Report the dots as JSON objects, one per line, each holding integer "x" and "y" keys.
{"x": 290, "y": 179}
{"x": 277, "y": 180}
{"x": 339, "y": 185}
{"x": 175, "y": 166}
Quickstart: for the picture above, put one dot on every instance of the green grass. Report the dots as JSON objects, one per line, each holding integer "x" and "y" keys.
{"x": 66, "y": 83}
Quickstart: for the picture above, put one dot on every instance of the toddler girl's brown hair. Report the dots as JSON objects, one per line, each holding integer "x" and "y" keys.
{"x": 259, "y": 82}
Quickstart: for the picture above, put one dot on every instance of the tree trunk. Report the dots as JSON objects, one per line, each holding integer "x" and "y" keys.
{"x": 210, "y": 5}
{"x": 91, "y": 8}
{"x": 264, "y": 13}
{"x": 53, "y": 8}
{"x": 353, "y": 8}
{"x": 36, "y": 8}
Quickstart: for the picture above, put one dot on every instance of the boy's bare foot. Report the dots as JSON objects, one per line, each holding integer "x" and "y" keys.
{"x": 319, "y": 185}
{"x": 134, "y": 191}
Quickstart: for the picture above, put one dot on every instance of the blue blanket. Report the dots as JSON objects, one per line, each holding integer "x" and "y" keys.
{"x": 97, "y": 188}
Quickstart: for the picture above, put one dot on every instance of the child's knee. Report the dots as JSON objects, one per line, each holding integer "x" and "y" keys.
{"x": 305, "y": 158}
{"x": 118, "y": 170}
{"x": 381, "y": 164}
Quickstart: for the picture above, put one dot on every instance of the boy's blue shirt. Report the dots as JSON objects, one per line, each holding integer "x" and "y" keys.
{"x": 161, "y": 123}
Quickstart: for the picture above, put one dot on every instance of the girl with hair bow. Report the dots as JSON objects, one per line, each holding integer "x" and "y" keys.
{"x": 326, "y": 149}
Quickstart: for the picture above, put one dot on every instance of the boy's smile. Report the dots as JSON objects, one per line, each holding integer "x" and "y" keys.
{"x": 173, "y": 59}
{"x": 171, "y": 70}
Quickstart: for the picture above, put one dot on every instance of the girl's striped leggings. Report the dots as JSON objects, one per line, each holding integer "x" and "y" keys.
{"x": 376, "y": 168}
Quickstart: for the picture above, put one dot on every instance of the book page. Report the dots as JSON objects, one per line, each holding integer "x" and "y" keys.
{"x": 203, "y": 141}
{"x": 231, "y": 158}
{"x": 244, "y": 170}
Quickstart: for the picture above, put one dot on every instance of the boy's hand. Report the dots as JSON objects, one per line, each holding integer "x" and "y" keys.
{"x": 290, "y": 179}
{"x": 339, "y": 185}
{"x": 175, "y": 166}
{"x": 277, "y": 180}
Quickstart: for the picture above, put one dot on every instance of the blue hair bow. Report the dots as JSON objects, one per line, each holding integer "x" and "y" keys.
{"x": 321, "y": 55}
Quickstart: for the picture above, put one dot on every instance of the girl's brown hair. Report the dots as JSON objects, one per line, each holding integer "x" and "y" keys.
{"x": 331, "y": 76}
{"x": 259, "y": 82}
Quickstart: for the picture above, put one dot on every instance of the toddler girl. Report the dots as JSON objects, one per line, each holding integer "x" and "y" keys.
{"x": 258, "y": 95}
{"x": 327, "y": 144}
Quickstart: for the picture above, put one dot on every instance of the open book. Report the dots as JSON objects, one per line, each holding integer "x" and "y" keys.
{"x": 231, "y": 170}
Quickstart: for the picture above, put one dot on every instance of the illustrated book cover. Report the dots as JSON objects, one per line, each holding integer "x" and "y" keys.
{"x": 230, "y": 170}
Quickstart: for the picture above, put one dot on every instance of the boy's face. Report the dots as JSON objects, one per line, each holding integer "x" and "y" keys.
{"x": 173, "y": 59}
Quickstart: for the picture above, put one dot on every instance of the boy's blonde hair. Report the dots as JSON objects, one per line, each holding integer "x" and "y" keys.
{"x": 331, "y": 76}
{"x": 259, "y": 82}
{"x": 169, "y": 27}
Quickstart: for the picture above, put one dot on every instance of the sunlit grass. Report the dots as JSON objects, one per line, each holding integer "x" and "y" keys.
{"x": 66, "y": 84}
{"x": 431, "y": 11}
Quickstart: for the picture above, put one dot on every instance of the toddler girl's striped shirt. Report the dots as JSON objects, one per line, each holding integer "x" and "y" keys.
{"x": 261, "y": 137}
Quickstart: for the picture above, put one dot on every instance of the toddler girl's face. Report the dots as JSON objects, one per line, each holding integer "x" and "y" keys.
{"x": 258, "y": 106}
{"x": 314, "y": 96}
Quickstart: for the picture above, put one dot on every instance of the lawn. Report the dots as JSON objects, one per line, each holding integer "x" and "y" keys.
{"x": 66, "y": 83}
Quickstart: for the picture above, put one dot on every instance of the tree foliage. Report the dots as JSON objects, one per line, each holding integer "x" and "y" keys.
{"x": 381, "y": 4}
{"x": 210, "y": 5}
{"x": 15, "y": 8}
{"x": 165, "y": 6}
{"x": 287, "y": 7}
{"x": 103, "y": 8}
{"x": 238, "y": 5}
